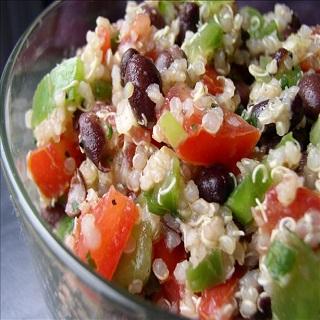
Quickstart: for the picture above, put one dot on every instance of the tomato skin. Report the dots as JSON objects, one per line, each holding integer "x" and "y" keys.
{"x": 104, "y": 34}
{"x": 170, "y": 289}
{"x": 214, "y": 85}
{"x": 171, "y": 258}
{"x": 305, "y": 199}
{"x": 215, "y": 298}
{"x": 46, "y": 165}
{"x": 115, "y": 216}
{"x": 235, "y": 139}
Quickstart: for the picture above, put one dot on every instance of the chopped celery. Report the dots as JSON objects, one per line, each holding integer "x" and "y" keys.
{"x": 295, "y": 288}
{"x": 64, "y": 227}
{"x": 243, "y": 198}
{"x": 288, "y": 137}
{"x": 64, "y": 77}
{"x": 164, "y": 198}
{"x": 102, "y": 90}
{"x": 315, "y": 132}
{"x": 172, "y": 129}
{"x": 136, "y": 264}
{"x": 209, "y": 272}
{"x": 280, "y": 259}
{"x": 204, "y": 42}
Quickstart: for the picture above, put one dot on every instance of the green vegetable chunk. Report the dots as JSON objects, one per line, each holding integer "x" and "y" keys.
{"x": 204, "y": 42}
{"x": 137, "y": 264}
{"x": 211, "y": 8}
{"x": 172, "y": 129}
{"x": 64, "y": 227}
{"x": 280, "y": 259}
{"x": 289, "y": 78}
{"x": 164, "y": 198}
{"x": 167, "y": 10}
{"x": 243, "y": 198}
{"x": 209, "y": 272}
{"x": 315, "y": 132}
{"x": 102, "y": 90}
{"x": 295, "y": 270}
{"x": 64, "y": 77}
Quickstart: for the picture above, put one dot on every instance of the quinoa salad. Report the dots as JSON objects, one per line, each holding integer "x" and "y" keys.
{"x": 178, "y": 155}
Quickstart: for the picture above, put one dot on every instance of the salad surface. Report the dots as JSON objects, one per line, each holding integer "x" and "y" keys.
{"x": 178, "y": 155}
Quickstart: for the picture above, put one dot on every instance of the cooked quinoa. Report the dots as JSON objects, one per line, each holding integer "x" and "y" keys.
{"x": 178, "y": 155}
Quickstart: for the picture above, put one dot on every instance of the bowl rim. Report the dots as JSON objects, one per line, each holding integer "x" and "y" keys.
{"x": 133, "y": 304}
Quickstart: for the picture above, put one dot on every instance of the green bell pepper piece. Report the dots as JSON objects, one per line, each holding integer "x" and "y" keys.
{"x": 60, "y": 78}
{"x": 295, "y": 288}
{"x": 164, "y": 198}
{"x": 204, "y": 42}
{"x": 102, "y": 90}
{"x": 172, "y": 129}
{"x": 243, "y": 198}
{"x": 280, "y": 259}
{"x": 137, "y": 264}
{"x": 209, "y": 272}
{"x": 315, "y": 132}
{"x": 65, "y": 227}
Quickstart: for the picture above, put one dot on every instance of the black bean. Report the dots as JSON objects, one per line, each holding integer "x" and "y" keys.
{"x": 302, "y": 135}
{"x": 292, "y": 27}
{"x": 297, "y": 111}
{"x": 264, "y": 305}
{"x": 77, "y": 194}
{"x": 241, "y": 73}
{"x": 166, "y": 57}
{"x": 188, "y": 17}
{"x": 142, "y": 72}
{"x": 214, "y": 183}
{"x": 155, "y": 16}
{"x": 142, "y": 105}
{"x": 310, "y": 94}
{"x": 243, "y": 91}
{"x": 52, "y": 214}
{"x": 124, "y": 61}
{"x": 280, "y": 55}
{"x": 92, "y": 139}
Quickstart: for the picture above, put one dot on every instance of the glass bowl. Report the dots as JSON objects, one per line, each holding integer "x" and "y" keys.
{"x": 71, "y": 290}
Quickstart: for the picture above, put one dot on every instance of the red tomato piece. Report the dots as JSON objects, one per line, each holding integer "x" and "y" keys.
{"x": 47, "y": 165}
{"x": 305, "y": 199}
{"x": 213, "y": 299}
{"x": 171, "y": 258}
{"x": 235, "y": 139}
{"x": 104, "y": 34}
{"x": 115, "y": 216}
{"x": 214, "y": 85}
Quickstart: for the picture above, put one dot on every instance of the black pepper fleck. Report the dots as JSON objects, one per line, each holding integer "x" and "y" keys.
{"x": 114, "y": 202}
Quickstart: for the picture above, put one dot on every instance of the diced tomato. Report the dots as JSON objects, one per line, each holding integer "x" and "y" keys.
{"x": 170, "y": 257}
{"x": 305, "y": 199}
{"x": 114, "y": 217}
{"x": 140, "y": 134}
{"x": 47, "y": 165}
{"x": 153, "y": 54}
{"x": 311, "y": 62}
{"x": 104, "y": 34}
{"x": 213, "y": 299}
{"x": 235, "y": 139}
{"x": 214, "y": 85}
{"x": 170, "y": 289}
